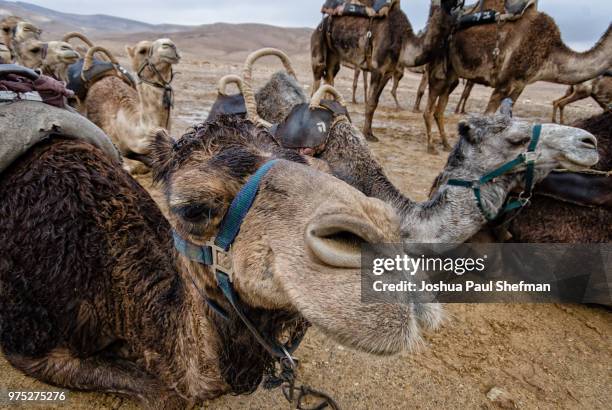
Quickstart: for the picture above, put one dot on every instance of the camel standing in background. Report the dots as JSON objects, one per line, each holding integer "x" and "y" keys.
{"x": 393, "y": 44}
{"x": 600, "y": 89}
{"x": 128, "y": 116}
{"x": 397, "y": 77}
{"x": 530, "y": 50}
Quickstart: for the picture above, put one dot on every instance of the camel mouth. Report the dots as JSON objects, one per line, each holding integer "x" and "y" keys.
{"x": 171, "y": 59}
{"x": 71, "y": 58}
{"x": 584, "y": 155}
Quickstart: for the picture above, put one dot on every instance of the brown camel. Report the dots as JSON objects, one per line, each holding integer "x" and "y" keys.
{"x": 391, "y": 46}
{"x": 24, "y": 36}
{"x": 127, "y": 115}
{"x": 599, "y": 88}
{"x": 53, "y": 57}
{"x": 508, "y": 56}
{"x": 7, "y": 28}
{"x": 357, "y": 72}
{"x": 112, "y": 307}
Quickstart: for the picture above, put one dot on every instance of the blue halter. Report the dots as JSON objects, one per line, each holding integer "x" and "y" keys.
{"x": 211, "y": 253}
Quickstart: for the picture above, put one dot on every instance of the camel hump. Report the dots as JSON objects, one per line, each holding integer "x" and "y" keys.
{"x": 26, "y": 123}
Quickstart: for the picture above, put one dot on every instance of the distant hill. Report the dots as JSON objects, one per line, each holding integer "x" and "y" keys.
{"x": 218, "y": 39}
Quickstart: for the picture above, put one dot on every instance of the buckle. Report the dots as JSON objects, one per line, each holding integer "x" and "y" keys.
{"x": 530, "y": 156}
{"x": 218, "y": 252}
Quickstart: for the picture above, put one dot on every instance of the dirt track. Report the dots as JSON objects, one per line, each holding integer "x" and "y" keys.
{"x": 542, "y": 356}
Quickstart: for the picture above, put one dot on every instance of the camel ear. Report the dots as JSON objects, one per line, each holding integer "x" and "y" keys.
{"x": 161, "y": 146}
{"x": 130, "y": 51}
{"x": 468, "y": 132}
{"x": 506, "y": 107}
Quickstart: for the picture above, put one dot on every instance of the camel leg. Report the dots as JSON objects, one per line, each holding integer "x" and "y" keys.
{"x": 420, "y": 92}
{"x": 100, "y": 374}
{"x": 568, "y": 92}
{"x": 377, "y": 85}
{"x": 397, "y": 77}
{"x": 365, "y": 87}
{"x": 497, "y": 96}
{"x": 439, "y": 113}
{"x": 355, "y": 84}
{"x": 465, "y": 95}
{"x": 333, "y": 67}
{"x": 428, "y": 115}
{"x": 568, "y": 100}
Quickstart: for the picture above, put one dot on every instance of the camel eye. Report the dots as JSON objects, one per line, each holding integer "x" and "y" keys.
{"x": 143, "y": 51}
{"x": 195, "y": 213}
{"x": 520, "y": 141}
{"x": 35, "y": 50}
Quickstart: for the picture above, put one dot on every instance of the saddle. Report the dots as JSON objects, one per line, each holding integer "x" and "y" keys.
{"x": 583, "y": 189}
{"x": 307, "y": 127}
{"x": 227, "y": 104}
{"x": 475, "y": 14}
{"x": 358, "y": 8}
{"x": 80, "y": 81}
{"x": 26, "y": 122}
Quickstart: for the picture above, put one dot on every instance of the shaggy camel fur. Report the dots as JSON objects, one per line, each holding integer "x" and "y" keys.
{"x": 127, "y": 115}
{"x": 550, "y": 220}
{"x": 530, "y": 50}
{"x": 113, "y": 308}
{"x": 393, "y": 46}
{"x": 600, "y": 89}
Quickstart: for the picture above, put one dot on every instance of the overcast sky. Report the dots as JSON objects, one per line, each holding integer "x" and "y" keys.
{"x": 581, "y": 21}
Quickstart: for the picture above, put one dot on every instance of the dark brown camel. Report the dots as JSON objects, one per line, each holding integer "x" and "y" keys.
{"x": 393, "y": 45}
{"x": 94, "y": 297}
{"x": 599, "y": 88}
{"x": 508, "y": 57}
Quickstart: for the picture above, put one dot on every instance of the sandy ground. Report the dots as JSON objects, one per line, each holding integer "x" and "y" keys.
{"x": 541, "y": 356}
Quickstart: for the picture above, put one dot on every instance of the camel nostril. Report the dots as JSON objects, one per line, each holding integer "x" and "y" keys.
{"x": 589, "y": 141}
{"x": 336, "y": 240}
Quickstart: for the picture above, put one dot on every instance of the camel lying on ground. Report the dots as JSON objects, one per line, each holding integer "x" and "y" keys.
{"x": 129, "y": 116}
{"x": 112, "y": 307}
{"x": 599, "y": 88}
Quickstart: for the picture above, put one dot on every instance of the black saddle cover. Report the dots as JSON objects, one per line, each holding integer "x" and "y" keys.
{"x": 79, "y": 81}
{"x": 367, "y": 8}
{"x": 579, "y": 189}
{"x": 308, "y": 128}
{"x": 227, "y": 104}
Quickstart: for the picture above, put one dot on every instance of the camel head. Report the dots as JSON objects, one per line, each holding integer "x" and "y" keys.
{"x": 60, "y": 52}
{"x": 298, "y": 249}
{"x": 31, "y": 53}
{"x": 5, "y": 54}
{"x": 161, "y": 53}
{"x": 488, "y": 142}
{"x": 7, "y": 26}
{"x": 24, "y": 31}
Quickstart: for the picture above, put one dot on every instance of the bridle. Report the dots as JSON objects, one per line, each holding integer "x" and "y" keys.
{"x": 159, "y": 82}
{"x": 528, "y": 158}
{"x": 214, "y": 253}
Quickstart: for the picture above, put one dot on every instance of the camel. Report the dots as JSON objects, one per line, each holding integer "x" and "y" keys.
{"x": 486, "y": 143}
{"x": 508, "y": 56}
{"x": 391, "y": 46}
{"x": 53, "y": 57}
{"x": 599, "y": 88}
{"x": 357, "y": 72}
{"x": 583, "y": 220}
{"x": 24, "y": 37}
{"x": 5, "y": 54}
{"x": 127, "y": 115}
{"x": 114, "y": 308}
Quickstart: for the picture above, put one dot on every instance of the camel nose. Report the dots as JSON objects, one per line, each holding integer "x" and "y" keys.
{"x": 588, "y": 141}
{"x": 337, "y": 239}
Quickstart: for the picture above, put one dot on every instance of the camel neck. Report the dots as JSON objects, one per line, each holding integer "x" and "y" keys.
{"x": 421, "y": 48}
{"x": 570, "y": 67}
{"x": 155, "y": 100}
{"x": 452, "y": 215}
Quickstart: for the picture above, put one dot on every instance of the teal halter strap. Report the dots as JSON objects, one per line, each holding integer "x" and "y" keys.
{"x": 528, "y": 158}
{"x": 210, "y": 253}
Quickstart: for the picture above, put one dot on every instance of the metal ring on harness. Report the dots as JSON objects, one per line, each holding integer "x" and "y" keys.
{"x": 528, "y": 158}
